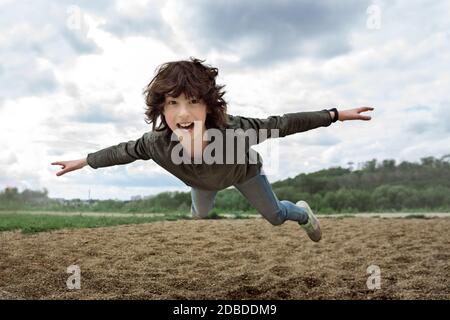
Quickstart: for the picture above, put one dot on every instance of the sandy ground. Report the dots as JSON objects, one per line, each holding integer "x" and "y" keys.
{"x": 231, "y": 259}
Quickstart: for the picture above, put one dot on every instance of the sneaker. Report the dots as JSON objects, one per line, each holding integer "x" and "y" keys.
{"x": 312, "y": 226}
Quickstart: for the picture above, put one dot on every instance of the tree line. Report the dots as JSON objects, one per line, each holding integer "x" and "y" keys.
{"x": 378, "y": 186}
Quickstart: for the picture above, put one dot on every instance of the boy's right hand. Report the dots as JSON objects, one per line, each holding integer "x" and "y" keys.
{"x": 70, "y": 165}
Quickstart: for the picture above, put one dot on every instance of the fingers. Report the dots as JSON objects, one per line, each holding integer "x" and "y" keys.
{"x": 59, "y": 163}
{"x": 60, "y": 173}
{"x": 56, "y": 163}
{"x": 363, "y": 109}
{"x": 63, "y": 166}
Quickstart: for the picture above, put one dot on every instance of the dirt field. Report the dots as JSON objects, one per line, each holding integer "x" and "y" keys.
{"x": 231, "y": 259}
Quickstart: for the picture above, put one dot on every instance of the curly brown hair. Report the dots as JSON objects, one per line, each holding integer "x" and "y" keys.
{"x": 192, "y": 78}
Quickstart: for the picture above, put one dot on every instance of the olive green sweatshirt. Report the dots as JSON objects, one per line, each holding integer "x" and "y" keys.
{"x": 158, "y": 146}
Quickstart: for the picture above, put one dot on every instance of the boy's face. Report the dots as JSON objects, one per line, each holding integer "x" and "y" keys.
{"x": 181, "y": 114}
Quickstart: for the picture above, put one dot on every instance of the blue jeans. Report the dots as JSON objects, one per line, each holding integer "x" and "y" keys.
{"x": 258, "y": 191}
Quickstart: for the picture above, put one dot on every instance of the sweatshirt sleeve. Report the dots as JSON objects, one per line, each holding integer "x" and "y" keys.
{"x": 122, "y": 153}
{"x": 286, "y": 124}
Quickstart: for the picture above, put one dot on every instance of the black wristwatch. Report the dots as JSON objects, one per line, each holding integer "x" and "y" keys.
{"x": 336, "y": 114}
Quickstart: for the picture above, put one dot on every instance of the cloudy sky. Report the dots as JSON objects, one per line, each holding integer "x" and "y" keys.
{"x": 72, "y": 75}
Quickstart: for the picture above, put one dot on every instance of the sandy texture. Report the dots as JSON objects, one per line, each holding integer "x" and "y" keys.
{"x": 231, "y": 259}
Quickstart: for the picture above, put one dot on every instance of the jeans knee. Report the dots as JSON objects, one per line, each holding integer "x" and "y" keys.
{"x": 276, "y": 219}
{"x": 276, "y": 222}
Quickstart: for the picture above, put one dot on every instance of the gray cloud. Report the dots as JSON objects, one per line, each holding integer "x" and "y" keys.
{"x": 34, "y": 32}
{"x": 25, "y": 79}
{"x": 322, "y": 139}
{"x": 96, "y": 114}
{"x": 148, "y": 23}
{"x": 429, "y": 121}
{"x": 96, "y": 109}
{"x": 55, "y": 146}
{"x": 418, "y": 108}
{"x": 283, "y": 30}
{"x": 8, "y": 158}
{"x": 72, "y": 90}
{"x": 273, "y": 30}
{"x": 442, "y": 116}
{"x": 79, "y": 42}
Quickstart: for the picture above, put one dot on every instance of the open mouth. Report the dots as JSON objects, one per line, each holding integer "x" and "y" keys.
{"x": 186, "y": 125}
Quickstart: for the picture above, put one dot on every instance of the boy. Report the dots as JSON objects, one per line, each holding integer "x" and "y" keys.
{"x": 184, "y": 96}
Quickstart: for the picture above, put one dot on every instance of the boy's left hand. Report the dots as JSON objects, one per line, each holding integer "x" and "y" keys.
{"x": 354, "y": 114}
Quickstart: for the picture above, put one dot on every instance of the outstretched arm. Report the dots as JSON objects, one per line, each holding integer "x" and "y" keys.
{"x": 123, "y": 153}
{"x": 286, "y": 124}
{"x": 291, "y": 123}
